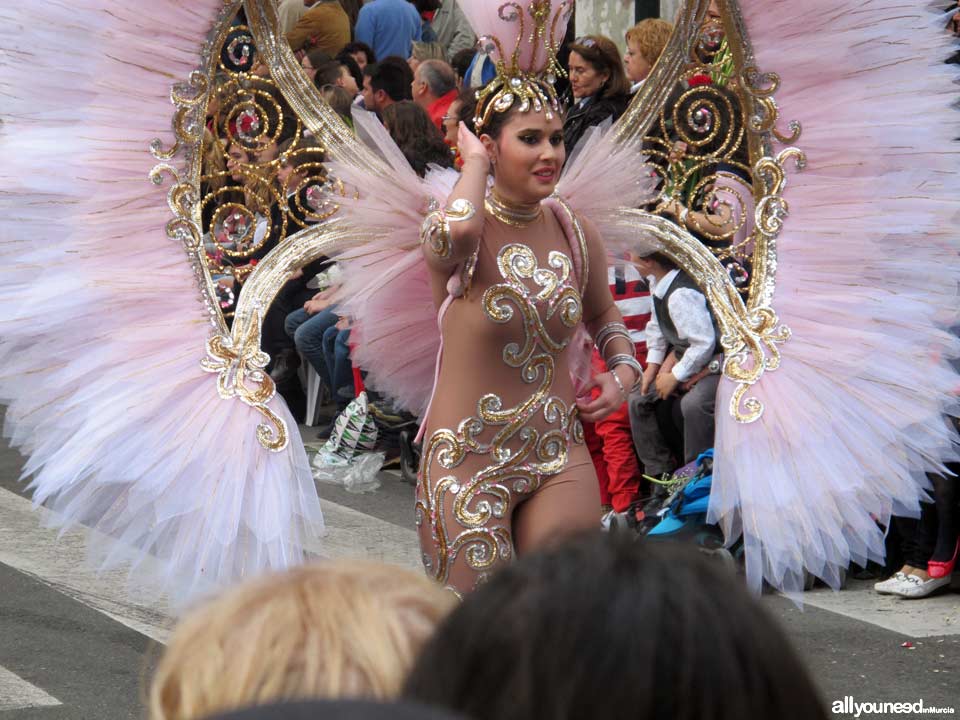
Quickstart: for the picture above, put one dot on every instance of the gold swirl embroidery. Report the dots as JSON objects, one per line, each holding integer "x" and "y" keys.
{"x": 435, "y": 230}
{"x": 240, "y": 367}
{"x": 522, "y": 456}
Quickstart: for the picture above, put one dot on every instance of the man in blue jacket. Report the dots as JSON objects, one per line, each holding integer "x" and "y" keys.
{"x": 390, "y": 27}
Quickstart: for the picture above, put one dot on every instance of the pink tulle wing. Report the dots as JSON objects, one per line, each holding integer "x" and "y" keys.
{"x": 104, "y": 325}
{"x": 386, "y": 284}
{"x": 600, "y": 177}
{"x": 867, "y": 277}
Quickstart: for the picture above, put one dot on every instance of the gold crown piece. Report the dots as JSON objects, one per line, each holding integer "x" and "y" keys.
{"x": 532, "y": 86}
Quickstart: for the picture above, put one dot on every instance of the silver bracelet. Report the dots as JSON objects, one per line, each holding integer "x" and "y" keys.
{"x": 623, "y": 391}
{"x": 616, "y": 326}
{"x": 629, "y": 361}
{"x": 602, "y": 347}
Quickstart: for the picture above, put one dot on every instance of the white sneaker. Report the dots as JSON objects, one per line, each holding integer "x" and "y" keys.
{"x": 891, "y": 584}
{"x": 914, "y": 588}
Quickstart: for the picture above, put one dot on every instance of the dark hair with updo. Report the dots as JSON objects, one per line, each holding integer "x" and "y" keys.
{"x": 602, "y": 53}
{"x": 417, "y": 137}
{"x": 356, "y": 47}
{"x": 603, "y": 626}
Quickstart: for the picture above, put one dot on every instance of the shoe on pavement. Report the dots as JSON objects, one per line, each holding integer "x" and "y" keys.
{"x": 913, "y": 588}
{"x": 891, "y": 584}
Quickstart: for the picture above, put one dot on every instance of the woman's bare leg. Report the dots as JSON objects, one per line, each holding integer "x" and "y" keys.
{"x": 565, "y": 504}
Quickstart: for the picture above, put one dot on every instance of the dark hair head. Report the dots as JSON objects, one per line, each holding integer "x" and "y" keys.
{"x": 602, "y": 53}
{"x": 417, "y": 137}
{"x": 393, "y": 78}
{"x": 662, "y": 259}
{"x": 603, "y": 626}
{"x": 327, "y": 74}
{"x": 356, "y": 47}
{"x": 346, "y": 59}
{"x": 317, "y": 57}
{"x": 461, "y": 62}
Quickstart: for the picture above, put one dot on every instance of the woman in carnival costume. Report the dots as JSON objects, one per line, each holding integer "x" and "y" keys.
{"x": 191, "y": 463}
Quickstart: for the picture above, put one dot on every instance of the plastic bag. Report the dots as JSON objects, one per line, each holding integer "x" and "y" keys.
{"x": 348, "y": 458}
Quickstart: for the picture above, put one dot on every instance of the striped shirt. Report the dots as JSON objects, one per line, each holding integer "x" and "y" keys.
{"x": 631, "y": 293}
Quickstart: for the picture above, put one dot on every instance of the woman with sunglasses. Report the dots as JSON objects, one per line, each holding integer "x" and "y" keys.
{"x": 598, "y": 84}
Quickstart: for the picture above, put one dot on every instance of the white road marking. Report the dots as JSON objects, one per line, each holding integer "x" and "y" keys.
{"x": 17, "y": 694}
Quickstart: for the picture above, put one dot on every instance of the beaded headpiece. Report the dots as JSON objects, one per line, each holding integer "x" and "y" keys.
{"x": 521, "y": 38}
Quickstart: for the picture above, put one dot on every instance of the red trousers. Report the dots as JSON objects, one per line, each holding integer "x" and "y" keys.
{"x": 611, "y": 447}
{"x": 610, "y": 442}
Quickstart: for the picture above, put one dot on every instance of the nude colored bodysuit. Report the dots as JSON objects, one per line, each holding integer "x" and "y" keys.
{"x": 503, "y": 420}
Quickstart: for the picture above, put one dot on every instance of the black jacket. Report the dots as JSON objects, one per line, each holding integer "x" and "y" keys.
{"x": 593, "y": 112}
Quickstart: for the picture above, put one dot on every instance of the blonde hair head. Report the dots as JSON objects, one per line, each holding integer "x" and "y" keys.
{"x": 423, "y": 51}
{"x": 650, "y": 37}
{"x": 326, "y": 630}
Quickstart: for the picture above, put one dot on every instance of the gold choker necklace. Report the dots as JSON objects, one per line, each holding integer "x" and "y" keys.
{"x": 512, "y": 214}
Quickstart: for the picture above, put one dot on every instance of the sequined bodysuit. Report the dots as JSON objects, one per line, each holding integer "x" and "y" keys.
{"x": 503, "y": 422}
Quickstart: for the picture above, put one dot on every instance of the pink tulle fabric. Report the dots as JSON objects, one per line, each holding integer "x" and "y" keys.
{"x": 386, "y": 284}
{"x": 867, "y": 274}
{"x": 103, "y": 323}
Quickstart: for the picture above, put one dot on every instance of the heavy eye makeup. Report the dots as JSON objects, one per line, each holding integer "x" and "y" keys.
{"x": 532, "y": 137}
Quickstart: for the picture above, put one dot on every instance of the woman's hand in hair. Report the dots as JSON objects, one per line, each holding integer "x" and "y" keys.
{"x": 471, "y": 149}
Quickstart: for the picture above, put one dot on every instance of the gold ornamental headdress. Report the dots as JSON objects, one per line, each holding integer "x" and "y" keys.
{"x": 521, "y": 38}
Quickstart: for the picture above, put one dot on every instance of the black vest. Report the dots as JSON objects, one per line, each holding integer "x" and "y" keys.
{"x": 667, "y": 326}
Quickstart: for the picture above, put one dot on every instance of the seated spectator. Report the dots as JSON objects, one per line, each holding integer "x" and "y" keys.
{"x": 434, "y": 88}
{"x": 683, "y": 365}
{"x": 404, "y": 67}
{"x": 308, "y": 327}
{"x": 340, "y": 101}
{"x": 361, "y": 52}
{"x": 645, "y": 42}
{"x": 347, "y": 60}
{"x": 333, "y": 73}
{"x": 313, "y": 59}
{"x": 425, "y": 51}
{"x": 328, "y": 630}
{"x": 599, "y": 86}
{"x": 451, "y": 121}
{"x": 417, "y": 137}
{"x": 383, "y": 85}
{"x": 605, "y": 627}
{"x": 390, "y": 27}
{"x": 325, "y": 26}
